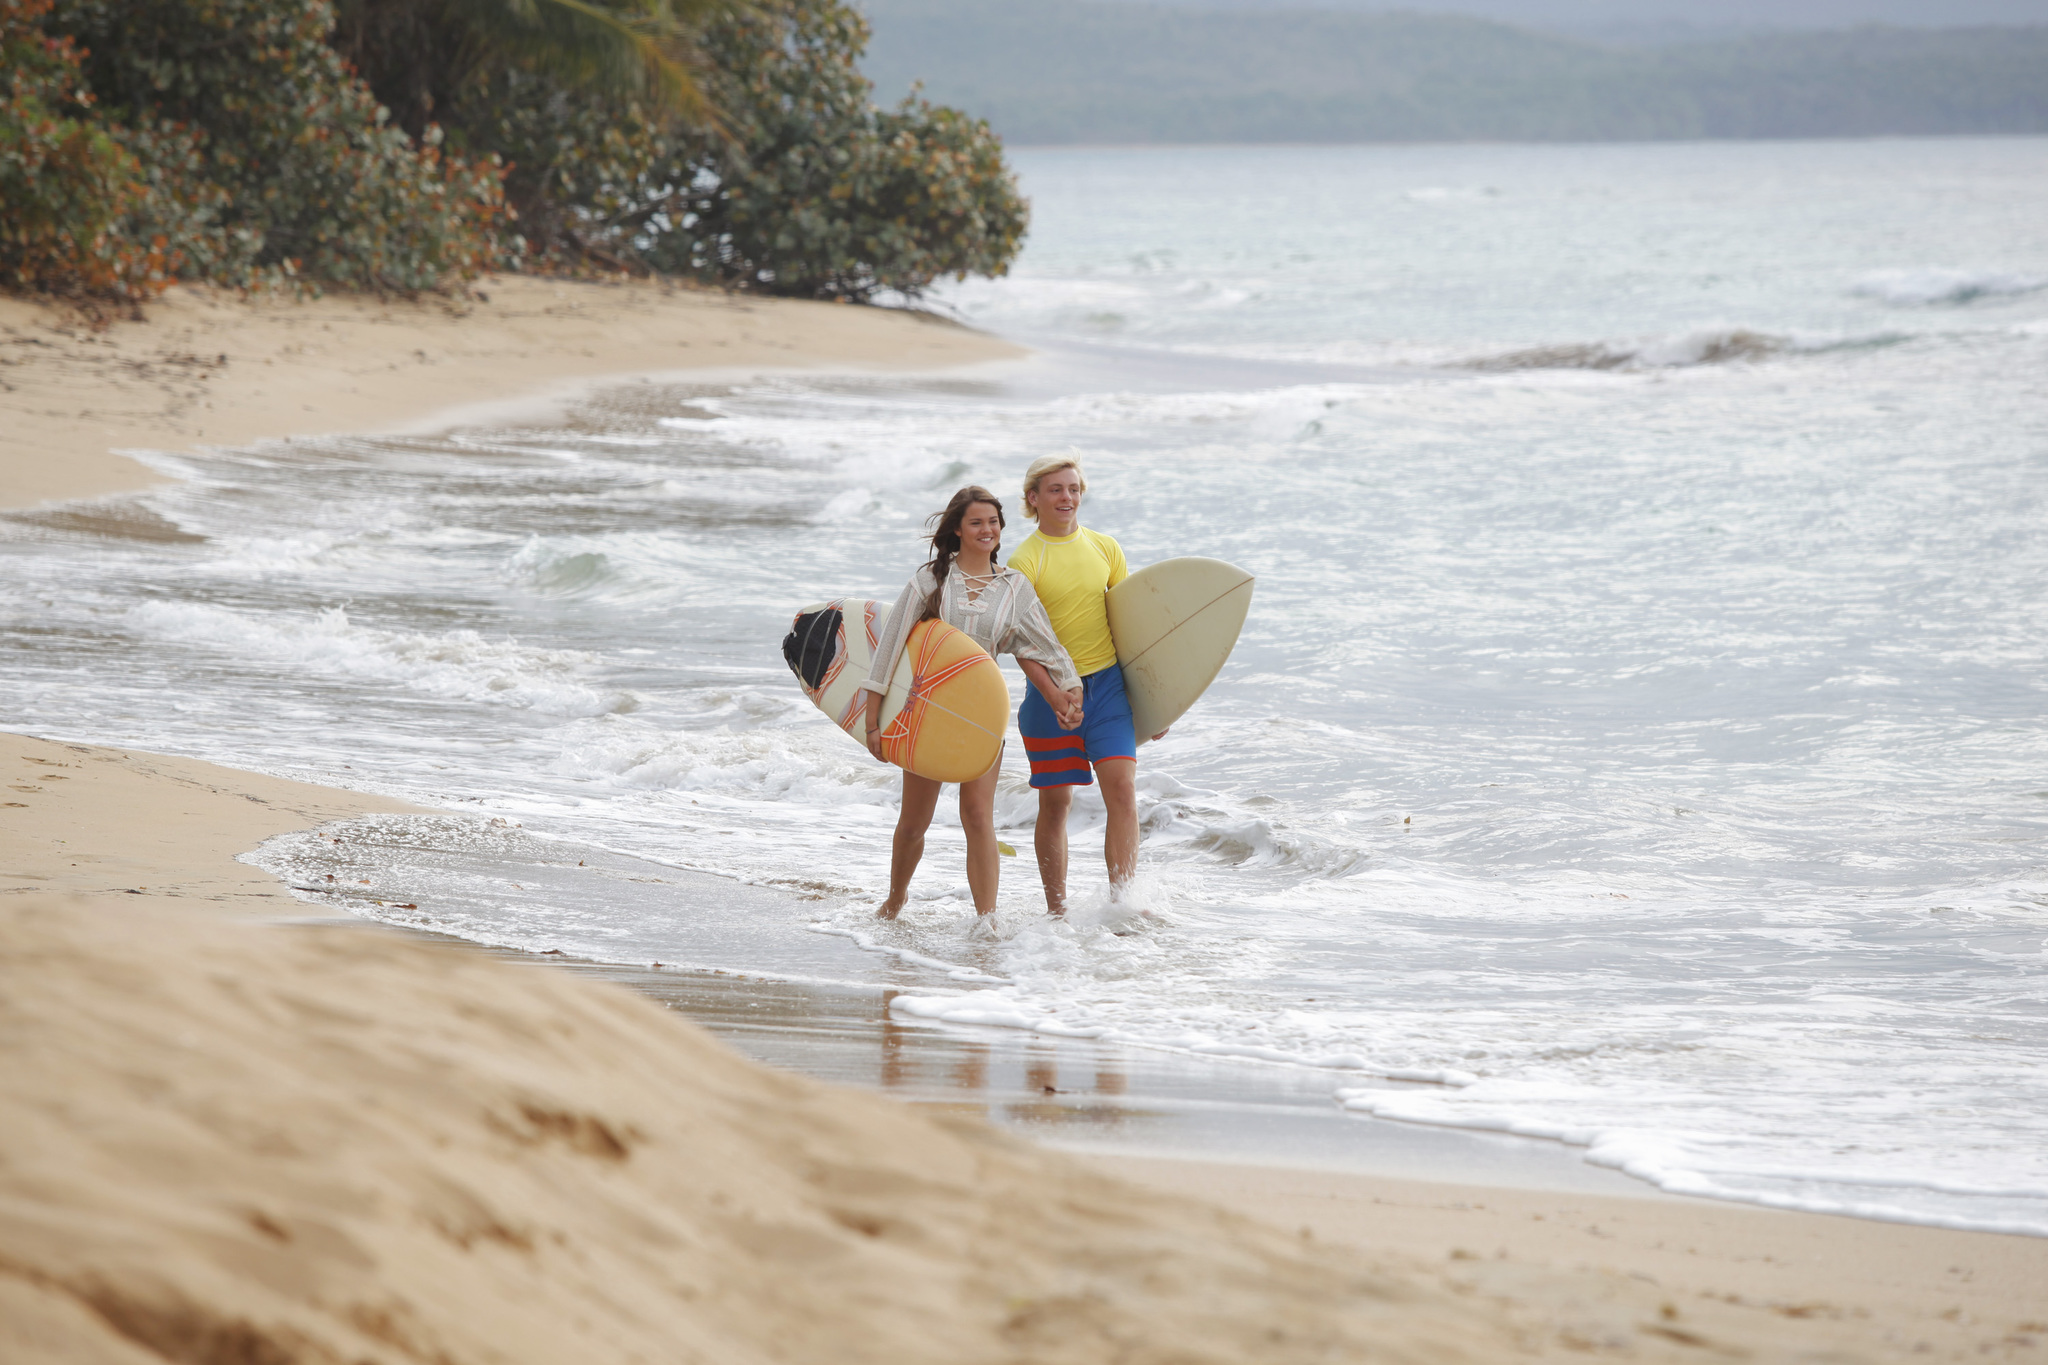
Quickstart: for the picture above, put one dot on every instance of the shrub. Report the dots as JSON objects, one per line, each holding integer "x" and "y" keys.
{"x": 584, "y": 171}
{"x": 579, "y": 100}
{"x": 228, "y": 140}
{"x": 812, "y": 191}
{"x": 66, "y": 184}
{"x": 261, "y": 156}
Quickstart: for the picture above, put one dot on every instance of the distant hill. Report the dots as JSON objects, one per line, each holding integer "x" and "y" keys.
{"x": 1109, "y": 71}
{"x": 1703, "y": 18}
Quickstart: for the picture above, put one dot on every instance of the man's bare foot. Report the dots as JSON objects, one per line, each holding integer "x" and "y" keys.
{"x": 889, "y": 910}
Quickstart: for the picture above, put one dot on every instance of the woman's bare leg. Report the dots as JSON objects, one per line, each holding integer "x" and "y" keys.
{"x": 1049, "y": 836}
{"x": 978, "y": 819}
{"x": 920, "y": 799}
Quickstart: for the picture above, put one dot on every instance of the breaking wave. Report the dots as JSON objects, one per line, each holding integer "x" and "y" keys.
{"x": 1928, "y": 287}
{"x": 1708, "y": 346}
{"x": 457, "y": 665}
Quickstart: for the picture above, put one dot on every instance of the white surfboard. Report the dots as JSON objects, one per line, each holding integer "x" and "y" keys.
{"x": 1175, "y": 623}
{"x": 947, "y": 705}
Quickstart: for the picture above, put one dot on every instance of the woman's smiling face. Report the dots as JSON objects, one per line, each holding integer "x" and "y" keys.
{"x": 981, "y": 529}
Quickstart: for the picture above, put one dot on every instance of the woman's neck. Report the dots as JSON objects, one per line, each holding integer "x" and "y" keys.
{"x": 976, "y": 562}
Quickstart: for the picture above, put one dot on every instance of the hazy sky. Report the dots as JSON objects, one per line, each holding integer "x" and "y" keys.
{"x": 1705, "y": 14}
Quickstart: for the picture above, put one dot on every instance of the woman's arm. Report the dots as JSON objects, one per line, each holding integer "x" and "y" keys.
{"x": 889, "y": 649}
{"x": 1033, "y": 640}
{"x": 874, "y": 725}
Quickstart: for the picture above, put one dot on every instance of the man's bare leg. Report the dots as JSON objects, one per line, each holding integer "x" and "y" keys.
{"x": 1118, "y": 778}
{"x": 1049, "y": 836}
{"x": 920, "y": 799}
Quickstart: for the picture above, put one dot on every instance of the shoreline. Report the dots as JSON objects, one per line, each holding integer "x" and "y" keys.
{"x": 207, "y": 367}
{"x": 1572, "y": 1268}
{"x": 94, "y": 840}
{"x": 92, "y": 822}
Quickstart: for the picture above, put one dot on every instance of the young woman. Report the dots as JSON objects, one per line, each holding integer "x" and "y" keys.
{"x": 965, "y": 587}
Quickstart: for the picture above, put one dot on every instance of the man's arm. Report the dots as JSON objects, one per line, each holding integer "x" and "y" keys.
{"x": 1119, "y": 570}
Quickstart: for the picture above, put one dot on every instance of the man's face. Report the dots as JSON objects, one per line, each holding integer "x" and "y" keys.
{"x": 1058, "y": 498}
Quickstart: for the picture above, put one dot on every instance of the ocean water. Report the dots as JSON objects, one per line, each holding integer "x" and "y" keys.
{"x": 1639, "y": 739}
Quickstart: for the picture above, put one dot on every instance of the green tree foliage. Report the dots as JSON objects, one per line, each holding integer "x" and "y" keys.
{"x": 800, "y": 187}
{"x": 315, "y": 181}
{"x": 67, "y": 185}
{"x": 427, "y": 59}
{"x": 580, "y": 101}
{"x": 232, "y": 140}
{"x": 814, "y": 191}
{"x": 585, "y": 171}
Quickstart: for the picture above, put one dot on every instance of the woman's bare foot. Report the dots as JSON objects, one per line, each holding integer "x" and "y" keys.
{"x": 890, "y": 909}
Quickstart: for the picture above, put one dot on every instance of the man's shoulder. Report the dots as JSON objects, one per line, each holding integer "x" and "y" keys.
{"x": 1025, "y": 558}
{"x": 1104, "y": 542}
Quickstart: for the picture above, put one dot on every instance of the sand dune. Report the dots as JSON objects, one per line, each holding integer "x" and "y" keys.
{"x": 239, "y": 1141}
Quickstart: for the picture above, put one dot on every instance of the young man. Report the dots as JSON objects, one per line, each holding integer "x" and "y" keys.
{"x": 1071, "y": 568}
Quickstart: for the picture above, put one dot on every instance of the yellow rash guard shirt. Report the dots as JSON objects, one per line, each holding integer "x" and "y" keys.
{"x": 1070, "y": 575}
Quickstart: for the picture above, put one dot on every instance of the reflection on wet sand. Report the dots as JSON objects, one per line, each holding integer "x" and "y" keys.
{"x": 909, "y": 1050}
{"x": 850, "y": 1035}
{"x": 1077, "y": 1092}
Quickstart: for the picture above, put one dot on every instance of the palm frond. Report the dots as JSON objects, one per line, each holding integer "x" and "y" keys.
{"x": 641, "y": 48}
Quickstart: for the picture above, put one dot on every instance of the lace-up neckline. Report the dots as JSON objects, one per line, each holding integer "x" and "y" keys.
{"x": 973, "y": 585}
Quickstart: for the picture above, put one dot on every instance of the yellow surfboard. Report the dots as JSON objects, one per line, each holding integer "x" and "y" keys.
{"x": 1174, "y": 624}
{"x": 947, "y": 707}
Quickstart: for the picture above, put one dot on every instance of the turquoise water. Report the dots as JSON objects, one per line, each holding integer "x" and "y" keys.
{"x": 1640, "y": 735}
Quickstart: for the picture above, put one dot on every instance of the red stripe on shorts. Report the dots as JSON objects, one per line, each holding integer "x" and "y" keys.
{"x": 1058, "y": 765}
{"x": 1039, "y": 746}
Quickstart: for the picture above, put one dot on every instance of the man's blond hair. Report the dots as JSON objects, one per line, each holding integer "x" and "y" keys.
{"x": 1049, "y": 464}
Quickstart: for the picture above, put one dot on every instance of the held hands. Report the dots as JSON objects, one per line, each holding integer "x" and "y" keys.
{"x": 1068, "y": 709}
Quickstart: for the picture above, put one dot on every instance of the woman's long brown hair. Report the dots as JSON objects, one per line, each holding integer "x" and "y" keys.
{"x": 946, "y": 540}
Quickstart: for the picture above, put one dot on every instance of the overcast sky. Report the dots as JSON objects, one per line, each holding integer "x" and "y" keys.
{"x": 1704, "y": 14}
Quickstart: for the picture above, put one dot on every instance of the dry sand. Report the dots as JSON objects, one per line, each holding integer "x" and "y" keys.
{"x": 82, "y": 820}
{"x": 210, "y": 367}
{"x": 259, "y": 1143}
{"x": 1875, "y": 1290}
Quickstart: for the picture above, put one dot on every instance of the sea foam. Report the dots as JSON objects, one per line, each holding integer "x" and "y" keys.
{"x": 1932, "y": 286}
{"x": 458, "y": 665}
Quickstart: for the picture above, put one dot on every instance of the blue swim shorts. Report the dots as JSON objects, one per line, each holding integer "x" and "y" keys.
{"x": 1061, "y": 758}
